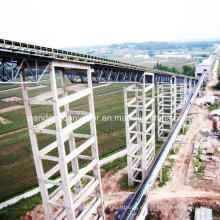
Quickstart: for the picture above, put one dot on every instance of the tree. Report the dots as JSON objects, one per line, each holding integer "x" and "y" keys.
{"x": 188, "y": 70}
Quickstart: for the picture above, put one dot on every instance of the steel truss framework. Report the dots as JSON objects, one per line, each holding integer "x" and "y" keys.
{"x": 140, "y": 127}
{"x": 36, "y": 67}
{"x": 70, "y": 198}
{"x": 12, "y": 66}
{"x": 120, "y": 70}
{"x": 166, "y": 107}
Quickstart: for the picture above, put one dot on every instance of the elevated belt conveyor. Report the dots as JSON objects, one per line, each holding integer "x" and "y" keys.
{"x": 15, "y": 56}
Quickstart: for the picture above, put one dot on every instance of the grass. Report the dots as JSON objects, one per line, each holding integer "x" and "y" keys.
{"x": 174, "y": 152}
{"x": 14, "y": 141}
{"x": 149, "y": 217}
{"x": 16, "y": 161}
{"x": 165, "y": 175}
{"x": 214, "y": 106}
{"x": 116, "y": 165}
{"x": 216, "y": 212}
{"x": 20, "y": 209}
{"x": 5, "y": 87}
{"x": 166, "y": 170}
{"x": 204, "y": 86}
{"x": 124, "y": 183}
{"x": 198, "y": 166}
{"x": 108, "y": 89}
{"x": 184, "y": 130}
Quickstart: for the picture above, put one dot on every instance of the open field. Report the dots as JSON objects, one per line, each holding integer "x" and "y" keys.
{"x": 16, "y": 163}
{"x": 178, "y": 63}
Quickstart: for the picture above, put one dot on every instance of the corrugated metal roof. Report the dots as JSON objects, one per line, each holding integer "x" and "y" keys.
{"x": 203, "y": 214}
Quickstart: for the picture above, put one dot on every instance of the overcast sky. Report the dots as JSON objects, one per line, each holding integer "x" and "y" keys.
{"x": 71, "y": 23}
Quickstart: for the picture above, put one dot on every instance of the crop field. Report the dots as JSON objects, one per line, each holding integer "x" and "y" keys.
{"x": 16, "y": 162}
{"x": 178, "y": 63}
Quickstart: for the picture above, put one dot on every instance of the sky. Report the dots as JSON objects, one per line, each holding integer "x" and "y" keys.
{"x": 74, "y": 23}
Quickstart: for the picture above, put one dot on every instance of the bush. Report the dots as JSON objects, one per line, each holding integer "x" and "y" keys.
{"x": 165, "y": 175}
{"x": 124, "y": 183}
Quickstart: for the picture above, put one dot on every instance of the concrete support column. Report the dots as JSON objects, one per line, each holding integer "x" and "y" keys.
{"x": 79, "y": 202}
{"x": 181, "y": 94}
{"x": 189, "y": 90}
{"x": 166, "y": 100}
{"x": 140, "y": 128}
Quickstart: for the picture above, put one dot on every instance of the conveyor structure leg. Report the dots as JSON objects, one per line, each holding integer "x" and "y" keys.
{"x": 77, "y": 193}
{"x": 166, "y": 107}
{"x": 140, "y": 128}
{"x": 181, "y": 94}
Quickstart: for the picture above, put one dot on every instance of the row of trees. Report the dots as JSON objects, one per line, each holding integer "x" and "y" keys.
{"x": 186, "y": 69}
{"x": 153, "y": 45}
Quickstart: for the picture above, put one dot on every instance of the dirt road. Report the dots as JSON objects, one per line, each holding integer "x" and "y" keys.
{"x": 175, "y": 188}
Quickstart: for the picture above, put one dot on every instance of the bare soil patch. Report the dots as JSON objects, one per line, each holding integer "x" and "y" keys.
{"x": 36, "y": 87}
{"x": 11, "y": 108}
{"x": 77, "y": 87}
{"x": 111, "y": 187}
{"x": 3, "y": 120}
{"x": 178, "y": 208}
{"x": 111, "y": 92}
{"x": 12, "y": 99}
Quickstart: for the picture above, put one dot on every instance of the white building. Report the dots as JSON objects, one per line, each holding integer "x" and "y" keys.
{"x": 127, "y": 56}
{"x": 173, "y": 56}
{"x": 206, "y": 65}
{"x": 142, "y": 56}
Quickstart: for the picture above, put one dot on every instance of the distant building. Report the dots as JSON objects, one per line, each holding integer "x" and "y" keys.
{"x": 173, "y": 56}
{"x": 206, "y": 65}
{"x": 127, "y": 56}
{"x": 142, "y": 56}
